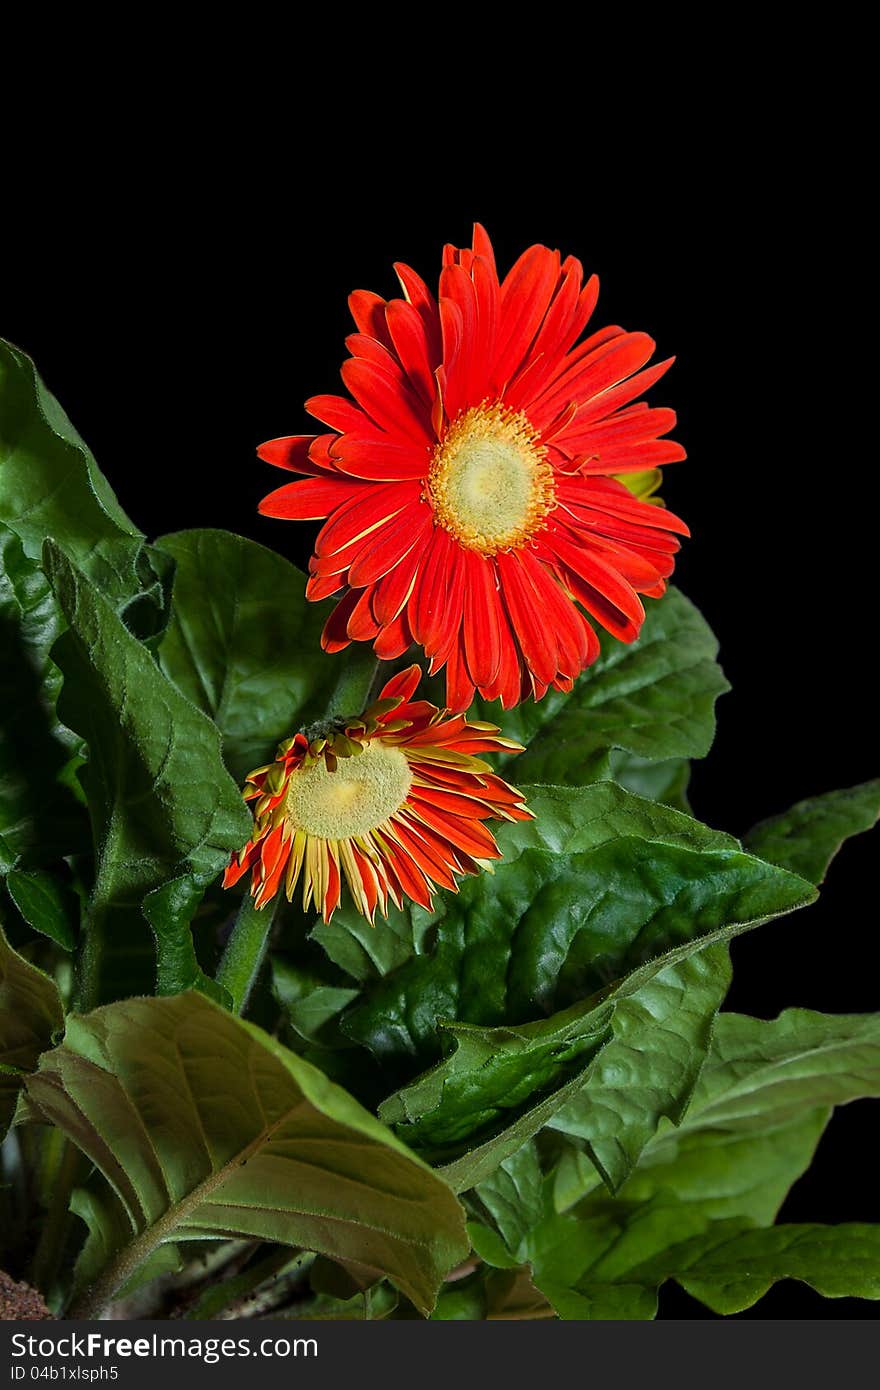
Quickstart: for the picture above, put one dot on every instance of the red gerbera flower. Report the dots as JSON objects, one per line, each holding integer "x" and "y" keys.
{"x": 470, "y": 487}
{"x": 392, "y": 800}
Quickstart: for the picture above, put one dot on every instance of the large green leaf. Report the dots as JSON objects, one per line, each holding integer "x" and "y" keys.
{"x": 806, "y": 838}
{"x": 163, "y": 808}
{"x": 759, "y": 1108}
{"x": 730, "y": 1271}
{"x": 51, "y": 486}
{"x": 605, "y": 1072}
{"x": 31, "y": 1013}
{"x": 244, "y": 643}
{"x": 648, "y": 1071}
{"x": 498, "y": 1088}
{"x": 39, "y": 811}
{"x": 655, "y": 699}
{"x": 205, "y": 1128}
{"x": 602, "y": 889}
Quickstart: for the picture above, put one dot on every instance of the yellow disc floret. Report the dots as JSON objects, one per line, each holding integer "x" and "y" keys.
{"x": 490, "y": 484}
{"x": 360, "y": 794}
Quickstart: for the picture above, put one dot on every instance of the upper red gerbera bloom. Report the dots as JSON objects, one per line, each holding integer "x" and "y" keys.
{"x": 470, "y": 485}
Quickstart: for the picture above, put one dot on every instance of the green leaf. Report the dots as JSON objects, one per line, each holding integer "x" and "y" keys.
{"x": 161, "y": 803}
{"x": 603, "y": 1302}
{"x": 514, "y": 1195}
{"x": 109, "y": 1229}
{"x": 46, "y": 904}
{"x": 806, "y": 838}
{"x": 207, "y": 1128}
{"x": 650, "y": 1067}
{"x": 244, "y": 643}
{"x": 596, "y": 895}
{"x": 654, "y": 699}
{"x": 31, "y": 1013}
{"x": 759, "y": 1108}
{"x": 498, "y": 1087}
{"x": 40, "y": 814}
{"x": 309, "y": 1003}
{"x": 730, "y": 1272}
{"x": 51, "y": 486}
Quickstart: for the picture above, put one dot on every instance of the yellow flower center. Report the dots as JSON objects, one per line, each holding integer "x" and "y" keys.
{"x": 362, "y": 793}
{"x": 490, "y": 484}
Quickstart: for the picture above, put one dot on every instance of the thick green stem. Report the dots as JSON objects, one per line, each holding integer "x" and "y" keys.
{"x": 355, "y": 685}
{"x": 245, "y": 949}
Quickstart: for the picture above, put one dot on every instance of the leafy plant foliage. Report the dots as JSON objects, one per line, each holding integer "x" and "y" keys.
{"x": 525, "y": 1102}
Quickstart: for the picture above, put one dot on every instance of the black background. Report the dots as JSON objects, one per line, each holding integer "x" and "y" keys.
{"x": 182, "y": 310}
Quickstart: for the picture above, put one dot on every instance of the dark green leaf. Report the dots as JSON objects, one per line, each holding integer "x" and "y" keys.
{"x": 46, "y": 904}
{"x": 31, "y": 1013}
{"x": 730, "y": 1271}
{"x": 244, "y": 643}
{"x": 648, "y": 1070}
{"x": 162, "y": 805}
{"x": 40, "y": 814}
{"x": 806, "y": 838}
{"x": 206, "y": 1128}
{"x": 759, "y": 1108}
{"x": 51, "y": 486}
{"x": 498, "y": 1087}
{"x": 309, "y": 1003}
{"x": 602, "y": 889}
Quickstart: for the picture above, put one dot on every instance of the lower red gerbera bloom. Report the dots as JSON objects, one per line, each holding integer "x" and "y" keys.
{"x": 471, "y": 486}
{"x": 393, "y": 801}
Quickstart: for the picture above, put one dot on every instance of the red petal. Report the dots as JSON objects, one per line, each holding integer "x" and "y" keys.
{"x": 372, "y": 506}
{"x": 380, "y": 458}
{"x": 402, "y": 685}
{"x": 368, "y": 312}
{"x": 393, "y": 591}
{"x": 291, "y": 452}
{"x": 391, "y": 544}
{"x": 310, "y": 500}
{"x": 559, "y": 612}
{"x": 335, "y": 637}
{"x": 480, "y": 625}
{"x": 394, "y": 408}
{"x": 525, "y": 298}
{"x": 483, "y": 247}
{"x": 394, "y": 639}
{"x": 410, "y": 340}
{"x": 537, "y": 641}
{"x": 611, "y": 365}
{"x": 597, "y": 572}
{"x": 459, "y": 686}
{"x": 337, "y": 412}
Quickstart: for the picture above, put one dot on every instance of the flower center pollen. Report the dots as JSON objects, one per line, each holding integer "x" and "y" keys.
{"x": 490, "y": 484}
{"x": 362, "y": 793}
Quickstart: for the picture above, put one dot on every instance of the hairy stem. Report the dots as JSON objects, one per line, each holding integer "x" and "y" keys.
{"x": 355, "y": 685}
{"x": 245, "y": 950}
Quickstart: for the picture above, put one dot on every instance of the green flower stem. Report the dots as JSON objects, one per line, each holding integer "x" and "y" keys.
{"x": 245, "y": 949}
{"x": 354, "y": 689}
{"x": 247, "y": 943}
